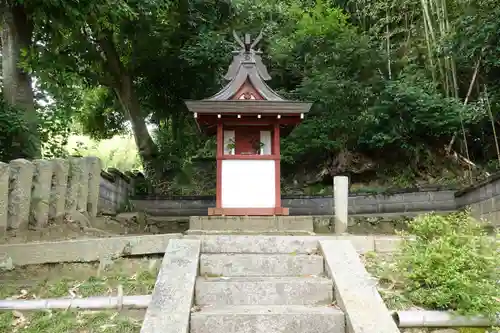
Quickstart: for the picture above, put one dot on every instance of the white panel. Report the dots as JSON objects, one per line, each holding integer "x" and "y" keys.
{"x": 228, "y": 137}
{"x": 265, "y": 138}
{"x": 248, "y": 184}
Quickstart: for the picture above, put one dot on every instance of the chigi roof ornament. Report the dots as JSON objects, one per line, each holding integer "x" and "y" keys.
{"x": 246, "y": 66}
{"x": 247, "y": 54}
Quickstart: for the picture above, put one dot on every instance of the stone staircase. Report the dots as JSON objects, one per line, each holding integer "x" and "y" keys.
{"x": 264, "y": 293}
{"x": 264, "y": 284}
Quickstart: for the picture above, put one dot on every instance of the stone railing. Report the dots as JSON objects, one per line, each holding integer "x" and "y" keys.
{"x": 32, "y": 193}
{"x": 483, "y": 199}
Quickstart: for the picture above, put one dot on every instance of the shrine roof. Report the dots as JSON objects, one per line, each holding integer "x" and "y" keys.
{"x": 248, "y": 106}
{"x": 247, "y": 91}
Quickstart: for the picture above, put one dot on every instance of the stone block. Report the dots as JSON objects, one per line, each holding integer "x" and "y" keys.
{"x": 263, "y": 291}
{"x": 323, "y": 223}
{"x": 257, "y": 244}
{"x": 74, "y": 176}
{"x": 4, "y": 197}
{"x": 276, "y": 244}
{"x": 58, "y": 191}
{"x": 173, "y": 295}
{"x": 260, "y": 264}
{"x": 355, "y": 290}
{"x": 252, "y": 223}
{"x": 85, "y": 250}
{"x": 268, "y": 319}
{"x": 94, "y": 169}
{"x": 21, "y": 180}
{"x": 40, "y": 195}
{"x": 83, "y": 186}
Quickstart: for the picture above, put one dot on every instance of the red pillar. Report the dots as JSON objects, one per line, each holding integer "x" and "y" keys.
{"x": 220, "y": 153}
{"x": 277, "y": 165}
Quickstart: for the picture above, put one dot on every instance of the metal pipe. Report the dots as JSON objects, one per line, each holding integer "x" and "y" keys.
{"x": 99, "y": 302}
{"x": 403, "y": 319}
{"x": 418, "y": 319}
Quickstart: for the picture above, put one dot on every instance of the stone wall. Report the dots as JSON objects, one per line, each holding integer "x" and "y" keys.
{"x": 483, "y": 199}
{"x": 417, "y": 201}
{"x": 115, "y": 188}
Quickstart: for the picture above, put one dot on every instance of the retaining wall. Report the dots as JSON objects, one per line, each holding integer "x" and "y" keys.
{"x": 115, "y": 188}
{"x": 483, "y": 199}
{"x": 436, "y": 200}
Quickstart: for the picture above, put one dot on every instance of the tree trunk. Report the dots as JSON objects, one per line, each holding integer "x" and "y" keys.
{"x": 145, "y": 144}
{"x": 124, "y": 90}
{"x": 17, "y": 30}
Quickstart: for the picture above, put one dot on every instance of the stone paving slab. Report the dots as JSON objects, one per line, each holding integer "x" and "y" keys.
{"x": 355, "y": 290}
{"x": 85, "y": 250}
{"x": 173, "y": 295}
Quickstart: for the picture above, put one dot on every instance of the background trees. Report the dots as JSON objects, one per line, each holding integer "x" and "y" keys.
{"x": 401, "y": 88}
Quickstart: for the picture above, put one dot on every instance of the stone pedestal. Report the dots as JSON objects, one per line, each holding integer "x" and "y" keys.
{"x": 291, "y": 225}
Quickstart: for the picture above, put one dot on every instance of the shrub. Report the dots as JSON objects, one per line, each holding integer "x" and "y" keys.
{"x": 451, "y": 265}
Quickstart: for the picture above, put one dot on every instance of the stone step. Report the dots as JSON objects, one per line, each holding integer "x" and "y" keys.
{"x": 227, "y": 264}
{"x": 252, "y": 223}
{"x": 263, "y": 291}
{"x": 250, "y": 232}
{"x": 268, "y": 319}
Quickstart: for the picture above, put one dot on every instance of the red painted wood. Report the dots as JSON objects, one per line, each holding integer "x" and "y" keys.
{"x": 248, "y": 211}
{"x": 277, "y": 165}
{"x": 244, "y": 138}
{"x": 220, "y": 152}
{"x": 250, "y": 157}
{"x": 247, "y": 120}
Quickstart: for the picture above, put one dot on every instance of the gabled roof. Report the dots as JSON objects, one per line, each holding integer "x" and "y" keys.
{"x": 247, "y": 90}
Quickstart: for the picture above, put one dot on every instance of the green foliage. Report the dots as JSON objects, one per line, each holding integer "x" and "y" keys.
{"x": 12, "y": 126}
{"x": 451, "y": 265}
{"x": 119, "y": 152}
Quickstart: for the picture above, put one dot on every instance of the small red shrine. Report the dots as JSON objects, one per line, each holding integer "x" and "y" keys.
{"x": 249, "y": 119}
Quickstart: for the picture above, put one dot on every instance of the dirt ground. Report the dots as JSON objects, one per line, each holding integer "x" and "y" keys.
{"x": 101, "y": 226}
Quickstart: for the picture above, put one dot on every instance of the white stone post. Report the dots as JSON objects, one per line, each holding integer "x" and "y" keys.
{"x": 341, "y": 203}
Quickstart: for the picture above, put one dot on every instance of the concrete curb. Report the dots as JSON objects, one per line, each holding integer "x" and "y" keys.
{"x": 355, "y": 291}
{"x": 85, "y": 250}
{"x": 93, "y": 249}
{"x": 173, "y": 296}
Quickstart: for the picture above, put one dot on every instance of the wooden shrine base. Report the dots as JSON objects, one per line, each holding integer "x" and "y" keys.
{"x": 248, "y": 211}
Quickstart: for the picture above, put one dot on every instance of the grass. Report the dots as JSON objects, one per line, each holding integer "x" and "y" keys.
{"x": 390, "y": 286}
{"x": 68, "y": 322}
{"x": 136, "y": 276}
